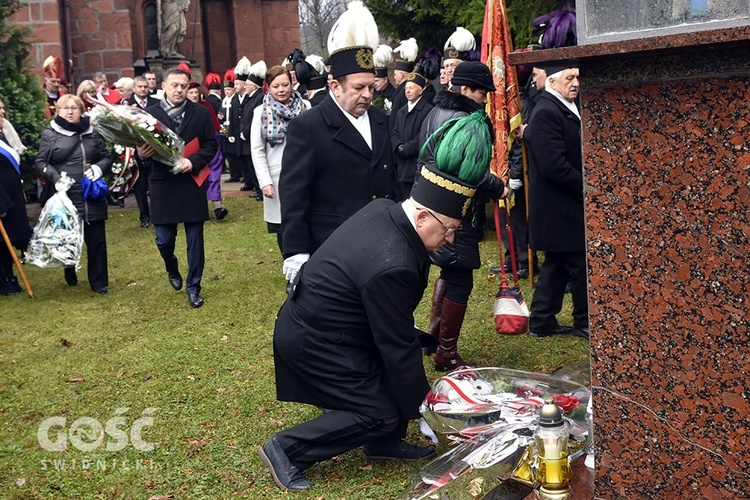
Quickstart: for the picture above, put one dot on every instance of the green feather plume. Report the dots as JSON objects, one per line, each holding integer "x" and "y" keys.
{"x": 464, "y": 147}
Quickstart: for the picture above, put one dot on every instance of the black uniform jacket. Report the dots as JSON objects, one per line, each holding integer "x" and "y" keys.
{"x": 177, "y": 198}
{"x": 328, "y": 173}
{"x": 345, "y": 338}
{"x": 553, "y": 138}
{"x": 215, "y": 102}
{"x": 240, "y": 115}
{"x": 13, "y": 204}
{"x": 251, "y": 102}
{"x": 406, "y": 133}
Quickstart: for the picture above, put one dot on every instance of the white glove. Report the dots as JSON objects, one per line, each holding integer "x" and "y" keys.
{"x": 94, "y": 173}
{"x": 293, "y": 264}
{"x": 515, "y": 184}
{"x": 230, "y": 139}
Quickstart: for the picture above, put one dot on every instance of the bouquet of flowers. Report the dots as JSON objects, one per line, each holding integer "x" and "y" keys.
{"x": 492, "y": 414}
{"x": 131, "y": 126}
{"x": 58, "y": 236}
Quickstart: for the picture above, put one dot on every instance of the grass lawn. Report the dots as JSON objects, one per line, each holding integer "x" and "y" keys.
{"x": 204, "y": 376}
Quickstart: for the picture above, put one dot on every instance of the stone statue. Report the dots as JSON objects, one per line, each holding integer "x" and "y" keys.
{"x": 173, "y": 26}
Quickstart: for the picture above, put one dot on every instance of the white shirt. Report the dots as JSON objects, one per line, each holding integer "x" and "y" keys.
{"x": 361, "y": 124}
{"x": 410, "y": 105}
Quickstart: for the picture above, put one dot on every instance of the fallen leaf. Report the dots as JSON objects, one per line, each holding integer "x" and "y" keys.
{"x": 221, "y": 389}
{"x": 148, "y": 484}
{"x": 161, "y": 497}
{"x": 224, "y": 338}
{"x": 366, "y": 467}
{"x": 20, "y": 481}
{"x": 200, "y": 443}
{"x": 66, "y": 342}
{"x": 77, "y": 379}
{"x": 146, "y": 377}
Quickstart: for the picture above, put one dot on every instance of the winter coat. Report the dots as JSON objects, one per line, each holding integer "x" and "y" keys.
{"x": 464, "y": 251}
{"x": 553, "y": 140}
{"x": 176, "y": 197}
{"x": 13, "y": 204}
{"x": 329, "y": 172}
{"x": 406, "y": 135}
{"x": 62, "y": 150}
{"x": 345, "y": 337}
{"x": 267, "y": 164}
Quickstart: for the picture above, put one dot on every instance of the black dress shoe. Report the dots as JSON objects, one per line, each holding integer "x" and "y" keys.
{"x": 195, "y": 300}
{"x": 14, "y": 284}
{"x": 6, "y": 287}
{"x": 581, "y": 332}
{"x": 258, "y": 196}
{"x": 246, "y": 187}
{"x": 176, "y": 281}
{"x": 145, "y": 222}
{"x": 560, "y": 330}
{"x": 220, "y": 213}
{"x": 284, "y": 472}
{"x": 396, "y": 449}
{"x": 70, "y": 276}
{"x": 233, "y": 179}
{"x": 101, "y": 290}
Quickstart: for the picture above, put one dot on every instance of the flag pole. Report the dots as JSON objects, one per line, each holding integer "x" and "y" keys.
{"x": 15, "y": 259}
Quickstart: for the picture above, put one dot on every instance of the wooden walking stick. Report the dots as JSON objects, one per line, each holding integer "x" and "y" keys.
{"x": 15, "y": 259}
{"x": 532, "y": 257}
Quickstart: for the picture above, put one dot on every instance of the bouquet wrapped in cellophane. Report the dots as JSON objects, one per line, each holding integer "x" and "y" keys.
{"x": 57, "y": 240}
{"x": 131, "y": 126}
{"x": 492, "y": 414}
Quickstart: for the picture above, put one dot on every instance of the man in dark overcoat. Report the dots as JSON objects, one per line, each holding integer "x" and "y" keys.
{"x": 345, "y": 339}
{"x": 405, "y": 137}
{"x": 556, "y": 223}
{"x": 337, "y": 159}
{"x": 175, "y": 195}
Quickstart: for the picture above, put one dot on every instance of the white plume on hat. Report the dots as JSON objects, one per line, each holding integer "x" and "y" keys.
{"x": 355, "y": 26}
{"x": 462, "y": 40}
{"x": 316, "y": 62}
{"x": 258, "y": 69}
{"x": 243, "y": 66}
{"x": 383, "y": 56}
{"x": 408, "y": 49}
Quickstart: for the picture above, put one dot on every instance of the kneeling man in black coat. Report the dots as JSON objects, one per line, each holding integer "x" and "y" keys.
{"x": 345, "y": 339}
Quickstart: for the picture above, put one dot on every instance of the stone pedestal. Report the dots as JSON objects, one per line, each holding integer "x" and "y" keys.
{"x": 666, "y": 143}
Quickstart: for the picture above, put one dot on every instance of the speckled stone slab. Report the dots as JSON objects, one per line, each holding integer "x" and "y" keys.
{"x": 667, "y": 174}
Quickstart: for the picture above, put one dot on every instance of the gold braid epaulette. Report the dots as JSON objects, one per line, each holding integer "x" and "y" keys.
{"x": 447, "y": 184}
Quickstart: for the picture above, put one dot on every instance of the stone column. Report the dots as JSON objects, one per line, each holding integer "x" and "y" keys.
{"x": 666, "y": 129}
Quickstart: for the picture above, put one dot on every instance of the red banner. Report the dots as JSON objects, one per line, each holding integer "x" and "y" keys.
{"x": 505, "y": 103}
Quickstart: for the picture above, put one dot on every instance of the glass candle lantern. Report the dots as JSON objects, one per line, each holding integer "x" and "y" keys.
{"x": 554, "y": 473}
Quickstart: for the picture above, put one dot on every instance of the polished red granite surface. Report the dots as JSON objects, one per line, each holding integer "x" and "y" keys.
{"x": 666, "y": 140}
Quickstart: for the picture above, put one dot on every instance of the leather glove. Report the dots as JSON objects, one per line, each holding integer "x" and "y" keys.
{"x": 293, "y": 264}
{"x": 230, "y": 139}
{"x": 94, "y": 173}
{"x": 400, "y": 150}
{"x": 515, "y": 184}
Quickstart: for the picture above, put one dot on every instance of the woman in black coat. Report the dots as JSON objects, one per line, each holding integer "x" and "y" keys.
{"x": 13, "y": 217}
{"x": 457, "y": 260}
{"x": 71, "y": 145}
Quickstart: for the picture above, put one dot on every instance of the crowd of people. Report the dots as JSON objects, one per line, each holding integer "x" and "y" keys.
{"x": 361, "y": 183}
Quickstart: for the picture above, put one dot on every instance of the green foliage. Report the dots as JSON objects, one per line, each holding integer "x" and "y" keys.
{"x": 19, "y": 88}
{"x": 431, "y": 22}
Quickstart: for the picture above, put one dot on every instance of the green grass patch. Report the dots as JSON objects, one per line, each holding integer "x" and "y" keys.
{"x": 206, "y": 374}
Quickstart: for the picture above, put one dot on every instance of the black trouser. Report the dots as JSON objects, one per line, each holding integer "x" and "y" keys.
{"x": 248, "y": 177}
{"x": 140, "y": 190}
{"x": 166, "y": 235}
{"x": 459, "y": 283}
{"x": 235, "y": 166}
{"x": 558, "y": 267}
{"x": 335, "y": 432}
{"x": 95, "y": 236}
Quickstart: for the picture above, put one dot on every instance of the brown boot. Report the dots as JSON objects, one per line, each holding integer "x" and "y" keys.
{"x": 451, "y": 319}
{"x": 438, "y": 294}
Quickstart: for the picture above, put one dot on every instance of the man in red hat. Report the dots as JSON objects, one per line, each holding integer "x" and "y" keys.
{"x": 53, "y": 72}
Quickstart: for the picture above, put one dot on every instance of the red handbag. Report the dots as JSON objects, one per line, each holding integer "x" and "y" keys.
{"x": 510, "y": 311}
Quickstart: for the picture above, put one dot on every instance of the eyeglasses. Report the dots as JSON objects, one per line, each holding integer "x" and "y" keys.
{"x": 448, "y": 230}
{"x": 70, "y": 109}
